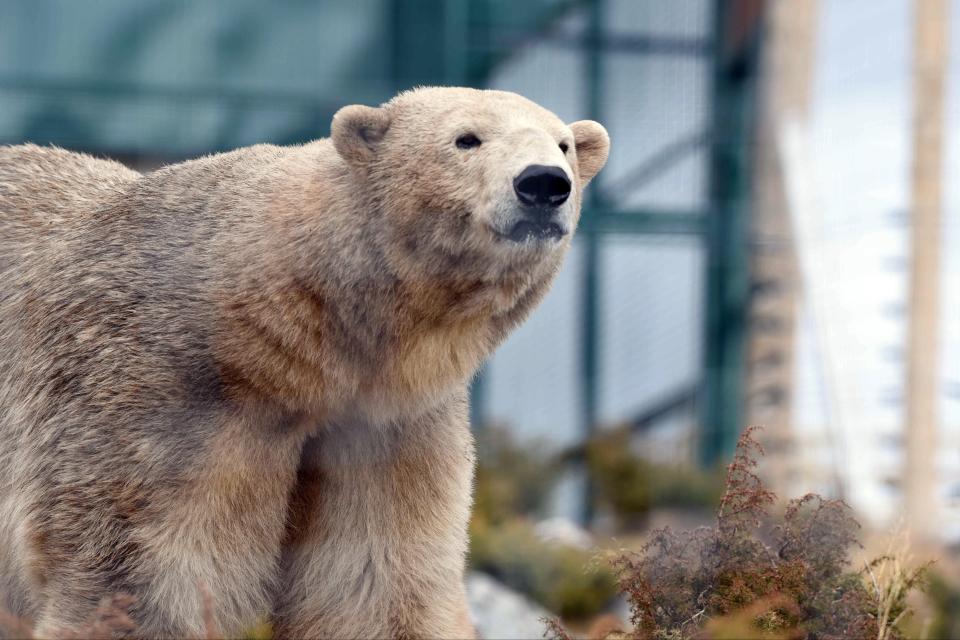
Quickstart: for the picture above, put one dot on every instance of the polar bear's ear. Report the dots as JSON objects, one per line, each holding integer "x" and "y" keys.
{"x": 356, "y": 131}
{"x": 593, "y": 145}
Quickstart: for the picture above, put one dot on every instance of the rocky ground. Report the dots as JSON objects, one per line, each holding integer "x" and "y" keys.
{"x": 499, "y": 612}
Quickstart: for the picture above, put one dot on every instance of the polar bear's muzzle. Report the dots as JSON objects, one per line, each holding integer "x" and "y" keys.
{"x": 541, "y": 190}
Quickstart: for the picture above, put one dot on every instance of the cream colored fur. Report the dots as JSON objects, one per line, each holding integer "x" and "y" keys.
{"x": 246, "y": 374}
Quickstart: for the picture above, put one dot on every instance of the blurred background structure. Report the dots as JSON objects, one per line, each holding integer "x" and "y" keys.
{"x": 775, "y": 240}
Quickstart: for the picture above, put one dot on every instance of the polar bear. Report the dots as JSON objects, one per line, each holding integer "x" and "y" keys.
{"x": 241, "y": 380}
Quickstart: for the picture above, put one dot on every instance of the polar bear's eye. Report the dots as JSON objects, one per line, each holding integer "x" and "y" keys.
{"x": 564, "y": 147}
{"x": 468, "y": 141}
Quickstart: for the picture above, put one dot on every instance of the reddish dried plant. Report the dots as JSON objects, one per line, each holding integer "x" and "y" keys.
{"x": 786, "y": 580}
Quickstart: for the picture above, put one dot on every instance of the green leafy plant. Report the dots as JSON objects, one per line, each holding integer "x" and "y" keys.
{"x": 512, "y": 483}
{"x": 511, "y": 479}
{"x": 564, "y": 579}
{"x": 630, "y": 486}
{"x": 945, "y": 600}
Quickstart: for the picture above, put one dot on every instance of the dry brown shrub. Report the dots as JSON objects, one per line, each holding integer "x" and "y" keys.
{"x": 745, "y": 577}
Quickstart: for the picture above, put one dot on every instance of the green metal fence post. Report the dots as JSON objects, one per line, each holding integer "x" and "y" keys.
{"x": 727, "y": 268}
{"x": 590, "y": 338}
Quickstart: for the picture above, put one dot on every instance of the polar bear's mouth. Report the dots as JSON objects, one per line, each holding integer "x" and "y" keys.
{"x": 534, "y": 230}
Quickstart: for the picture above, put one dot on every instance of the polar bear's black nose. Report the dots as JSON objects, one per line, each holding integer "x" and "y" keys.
{"x": 542, "y": 185}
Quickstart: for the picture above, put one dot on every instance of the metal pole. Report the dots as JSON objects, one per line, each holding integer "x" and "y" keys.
{"x": 590, "y": 338}
{"x": 727, "y": 275}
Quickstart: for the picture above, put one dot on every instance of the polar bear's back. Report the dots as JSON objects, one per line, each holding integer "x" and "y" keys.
{"x": 45, "y": 189}
{"x": 46, "y": 185}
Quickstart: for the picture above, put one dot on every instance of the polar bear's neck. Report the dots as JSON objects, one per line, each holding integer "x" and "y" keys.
{"x": 328, "y": 320}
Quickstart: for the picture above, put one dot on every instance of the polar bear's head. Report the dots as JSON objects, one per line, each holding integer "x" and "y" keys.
{"x": 466, "y": 178}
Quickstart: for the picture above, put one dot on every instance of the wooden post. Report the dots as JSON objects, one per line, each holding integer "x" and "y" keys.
{"x": 788, "y": 76}
{"x": 930, "y": 57}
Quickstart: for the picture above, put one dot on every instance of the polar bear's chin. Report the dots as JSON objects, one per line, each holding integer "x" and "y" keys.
{"x": 530, "y": 237}
{"x": 535, "y": 231}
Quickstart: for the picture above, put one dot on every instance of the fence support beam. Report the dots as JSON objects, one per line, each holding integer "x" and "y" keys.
{"x": 736, "y": 32}
{"x": 589, "y": 337}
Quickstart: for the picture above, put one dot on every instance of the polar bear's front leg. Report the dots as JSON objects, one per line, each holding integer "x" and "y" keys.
{"x": 192, "y": 538}
{"x": 378, "y": 536}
